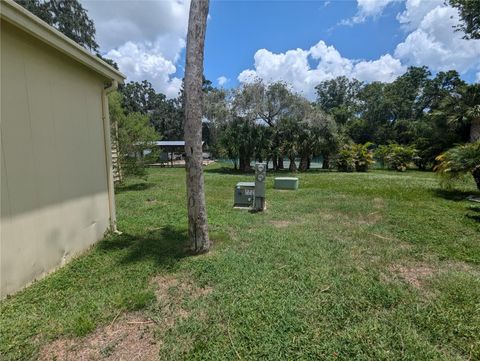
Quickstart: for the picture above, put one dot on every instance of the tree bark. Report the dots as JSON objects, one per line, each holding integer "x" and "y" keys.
{"x": 280, "y": 162}
{"x": 326, "y": 161}
{"x": 197, "y": 211}
{"x": 245, "y": 163}
{"x": 303, "y": 166}
{"x": 293, "y": 166}
{"x": 476, "y": 176}
{"x": 475, "y": 130}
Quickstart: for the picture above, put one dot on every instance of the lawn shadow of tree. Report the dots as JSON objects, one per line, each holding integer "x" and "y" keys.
{"x": 165, "y": 246}
{"x": 474, "y": 213}
{"x": 141, "y": 186}
{"x": 452, "y": 194}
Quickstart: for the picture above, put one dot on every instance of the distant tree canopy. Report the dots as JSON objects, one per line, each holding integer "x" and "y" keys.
{"x": 469, "y": 11}
{"x": 418, "y": 116}
{"x": 429, "y": 113}
{"x": 67, "y": 16}
{"x": 70, "y": 18}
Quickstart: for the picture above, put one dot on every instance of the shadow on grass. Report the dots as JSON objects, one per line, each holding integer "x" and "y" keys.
{"x": 474, "y": 213}
{"x": 452, "y": 195}
{"x": 165, "y": 246}
{"x": 134, "y": 187}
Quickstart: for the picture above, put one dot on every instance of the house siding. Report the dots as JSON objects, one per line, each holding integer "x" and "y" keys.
{"x": 54, "y": 187}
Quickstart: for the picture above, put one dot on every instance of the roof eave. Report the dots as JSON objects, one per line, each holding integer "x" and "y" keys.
{"x": 15, "y": 14}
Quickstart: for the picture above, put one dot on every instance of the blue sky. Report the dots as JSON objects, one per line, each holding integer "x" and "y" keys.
{"x": 300, "y": 42}
{"x": 238, "y": 29}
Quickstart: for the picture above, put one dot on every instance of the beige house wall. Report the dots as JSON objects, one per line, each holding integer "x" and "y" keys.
{"x": 54, "y": 185}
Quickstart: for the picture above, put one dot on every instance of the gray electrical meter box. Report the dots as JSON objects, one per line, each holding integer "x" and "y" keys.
{"x": 260, "y": 175}
{"x": 244, "y": 196}
{"x": 260, "y": 181}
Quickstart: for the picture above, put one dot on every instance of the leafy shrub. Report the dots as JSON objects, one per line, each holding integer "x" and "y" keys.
{"x": 458, "y": 161}
{"x": 354, "y": 157}
{"x": 134, "y": 136}
{"x": 346, "y": 160}
{"x": 395, "y": 156}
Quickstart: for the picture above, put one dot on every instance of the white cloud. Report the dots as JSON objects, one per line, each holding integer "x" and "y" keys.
{"x": 431, "y": 40}
{"x": 415, "y": 11}
{"x": 294, "y": 67}
{"x": 137, "y": 20}
{"x": 222, "y": 80}
{"x": 145, "y": 38}
{"x": 477, "y": 76}
{"x": 435, "y": 43}
{"x": 366, "y": 9}
{"x": 140, "y": 61}
{"x": 386, "y": 69}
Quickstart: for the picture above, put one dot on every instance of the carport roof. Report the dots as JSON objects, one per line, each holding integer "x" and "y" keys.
{"x": 171, "y": 143}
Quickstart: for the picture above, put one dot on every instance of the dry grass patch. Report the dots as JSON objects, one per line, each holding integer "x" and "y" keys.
{"x": 129, "y": 338}
{"x": 132, "y": 336}
{"x": 415, "y": 275}
{"x": 171, "y": 292}
{"x": 378, "y": 203}
{"x": 280, "y": 224}
{"x": 370, "y": 218}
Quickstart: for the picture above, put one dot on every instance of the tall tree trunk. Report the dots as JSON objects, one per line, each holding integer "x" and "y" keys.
{"x": 197, "y": 211}
{"x": 326, "y": 161}
{"x": 475, "y": 130}
{"x": 274, "y": 161}
{"x": 280, "y": 162}
{"x": 293, "y": 165}
{"x": 476, "y": 176}
{"x": 244, "y": 162}
{"x": 303, "y": 166}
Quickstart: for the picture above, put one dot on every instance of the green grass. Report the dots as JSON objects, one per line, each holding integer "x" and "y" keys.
{"x": 316, "y": 276}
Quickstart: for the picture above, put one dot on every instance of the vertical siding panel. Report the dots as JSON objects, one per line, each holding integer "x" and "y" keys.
{"x": 19, "y": 164}
{"x": 53, "y": 159}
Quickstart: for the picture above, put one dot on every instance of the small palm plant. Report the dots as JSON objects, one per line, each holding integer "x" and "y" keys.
{"x": 460, "y": 160}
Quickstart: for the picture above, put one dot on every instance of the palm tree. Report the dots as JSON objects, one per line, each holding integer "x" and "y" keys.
{"x": 464, "y": 109}
{"x": 462, "y": 159}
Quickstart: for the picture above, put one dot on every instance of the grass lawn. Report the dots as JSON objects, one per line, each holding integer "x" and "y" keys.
{"x": 372, "y": 266}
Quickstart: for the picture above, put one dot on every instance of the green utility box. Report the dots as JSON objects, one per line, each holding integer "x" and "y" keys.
{"x": 286, "y": 183}
{"x": 244, "y": 194}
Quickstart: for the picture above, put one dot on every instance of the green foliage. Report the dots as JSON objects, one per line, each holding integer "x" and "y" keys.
{"x": 338, "y": 97}
{"x": 395, "y": 156}
{"x": 69, "y": 17}
{"x": 458, "y": 161}
{"x": 355, "y": 158}
{"x": 470, "y": 17}
{"x": 134, "y": 136}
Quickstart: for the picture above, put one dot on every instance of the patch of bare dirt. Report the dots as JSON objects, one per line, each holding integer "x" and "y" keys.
{"x": 280, "y": 224}
{"x": 171, "y": 291}
{"x": 378, "y": 203}
{"x": 415, "y": 275}
{"x": 370, "y": 218}
{"x": 133, "y": 336}
{"x": 130, "y": 338}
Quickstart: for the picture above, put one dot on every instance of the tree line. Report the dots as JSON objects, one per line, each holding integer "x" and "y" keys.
{"x": 417, "y": 117}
